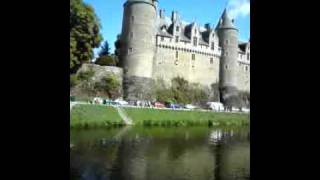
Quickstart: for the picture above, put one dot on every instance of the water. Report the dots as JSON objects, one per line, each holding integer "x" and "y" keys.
{"x": 137, "y": 153}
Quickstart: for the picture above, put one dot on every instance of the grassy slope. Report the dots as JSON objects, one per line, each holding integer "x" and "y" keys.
{"x": 94, "y": 116}
{"x": 97, "y": 116}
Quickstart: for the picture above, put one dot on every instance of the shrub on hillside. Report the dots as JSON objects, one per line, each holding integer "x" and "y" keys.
{"x": 106, "y": 61}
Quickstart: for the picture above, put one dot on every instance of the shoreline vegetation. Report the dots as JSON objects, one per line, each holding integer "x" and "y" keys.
{"x": 94, "y": 116}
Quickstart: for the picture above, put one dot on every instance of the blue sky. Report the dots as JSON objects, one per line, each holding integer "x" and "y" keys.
{"x": 202, "y": 11}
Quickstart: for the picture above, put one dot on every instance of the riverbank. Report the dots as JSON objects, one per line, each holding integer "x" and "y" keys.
{"x": 107, "y": 116}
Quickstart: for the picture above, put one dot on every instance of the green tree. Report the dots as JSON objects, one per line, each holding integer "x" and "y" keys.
{"x": 73, "y": 80}
{"x": 84, "y": 33}
{"x": 106, "y": 61}
{"x": 109, "y": 85}
{"x": 105, "y": 50}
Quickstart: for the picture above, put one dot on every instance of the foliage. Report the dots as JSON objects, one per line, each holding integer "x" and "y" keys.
{"x": 216, "y": 92}
{"x": 73, "y": 80}
{"x": 105, "y": 49}
{"x": 105, "y": 60}
{"x": 109, "y": 85}
{"x": 180, "y": 92}
{"x": 86, "y": 75}
{"x": 84, "y": 33}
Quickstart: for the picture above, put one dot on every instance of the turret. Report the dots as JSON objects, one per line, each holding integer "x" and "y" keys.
{"x": 228, "y": 40}
{"x": 138, "y": 47}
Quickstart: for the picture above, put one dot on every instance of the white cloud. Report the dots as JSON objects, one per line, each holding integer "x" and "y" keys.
{"x": 238, "y": 8}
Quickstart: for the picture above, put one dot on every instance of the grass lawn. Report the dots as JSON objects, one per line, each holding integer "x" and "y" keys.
{"x": 99, "y": 116}
{"x": 94, "y": 116}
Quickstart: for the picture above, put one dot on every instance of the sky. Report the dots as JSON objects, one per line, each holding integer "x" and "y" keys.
{"x": 110, "y": 14}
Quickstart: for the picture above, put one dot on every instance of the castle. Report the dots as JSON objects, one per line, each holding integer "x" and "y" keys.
{"x": 154, "y": 48}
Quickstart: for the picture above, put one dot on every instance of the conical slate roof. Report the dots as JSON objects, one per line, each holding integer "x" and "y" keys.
{"x": 225, "y": 21}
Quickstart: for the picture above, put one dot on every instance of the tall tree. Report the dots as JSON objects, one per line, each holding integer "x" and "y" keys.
{"x": 105, "y": 49}
{"x": 84, "y": 33}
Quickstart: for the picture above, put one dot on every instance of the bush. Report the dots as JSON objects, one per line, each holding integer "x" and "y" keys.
{"x": 73, "y": 80}
{"x": 105, "y": 61}
{"x": 109, "y": 85}
{"x": 86, "y": 75}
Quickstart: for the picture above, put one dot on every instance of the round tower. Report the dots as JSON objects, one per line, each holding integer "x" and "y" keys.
{"x": 138, "y": 47}
{"x": 228, "y": 40}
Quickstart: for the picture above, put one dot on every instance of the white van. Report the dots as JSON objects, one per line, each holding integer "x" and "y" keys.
{"x": 216, "y": 106}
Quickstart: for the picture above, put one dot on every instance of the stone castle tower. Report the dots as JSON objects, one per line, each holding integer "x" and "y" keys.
{"x": 228, "y": 40}
{"x": 138, "y": 46}
{"x": 154, "y": 46}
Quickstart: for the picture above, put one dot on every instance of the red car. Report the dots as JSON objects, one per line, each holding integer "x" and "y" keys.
{"x": 159, "y": 105}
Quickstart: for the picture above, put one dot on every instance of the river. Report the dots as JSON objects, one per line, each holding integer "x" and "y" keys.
{"x": 138, "y": 153}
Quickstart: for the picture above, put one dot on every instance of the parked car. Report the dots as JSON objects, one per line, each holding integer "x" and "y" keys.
{"x": 97, "y": 100}
{"x": 173, "y": 105}
{"x": 215, "y": 106}
{"x": 159, "y": 105}
{"x": 189, "y": 106}
{"x": 121, "y": 102}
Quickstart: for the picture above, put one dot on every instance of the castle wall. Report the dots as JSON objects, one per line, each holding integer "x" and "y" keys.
{"x": 243, "y": 71}
{"x": 204, "y": 69}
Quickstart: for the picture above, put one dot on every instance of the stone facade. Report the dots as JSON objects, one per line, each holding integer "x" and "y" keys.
{"x": 155, "y": 46}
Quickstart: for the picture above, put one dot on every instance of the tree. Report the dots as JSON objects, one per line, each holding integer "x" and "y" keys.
{"x": 84, "y": 33}
{"x": 106, "y": 61}
{"x": 104, "y": 49}
{"x": 109, "y": 85}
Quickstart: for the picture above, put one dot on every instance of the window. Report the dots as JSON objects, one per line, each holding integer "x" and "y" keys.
{"x": 132, "y": 19}
{"x": 177, "y": 28}
{"x": 195, "y": 41}
{"x": 212, "y": 45}
{"x": 162, "y": 38}
{"x": 130, "y": 50}
{"x": 226, "y": 67}
{"x": 248, "y": 56}
{"x": 227, "y": 42}
{"x": 195, "y": 31}
{"x": 211, "y": 60}
{"x": 193, "y": 56}
{"x": 177, "y": 39}
{"x": 177, "y": 54}
{"x": 247, "y": 68}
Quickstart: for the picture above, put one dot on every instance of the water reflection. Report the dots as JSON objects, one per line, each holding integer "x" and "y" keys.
{"x": 161, "y": 153}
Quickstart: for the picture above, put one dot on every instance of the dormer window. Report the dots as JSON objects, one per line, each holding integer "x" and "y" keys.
{"x": 212, "y": 45}
{"x": 177, "y": 28}
{"x": 195, "y": 31}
